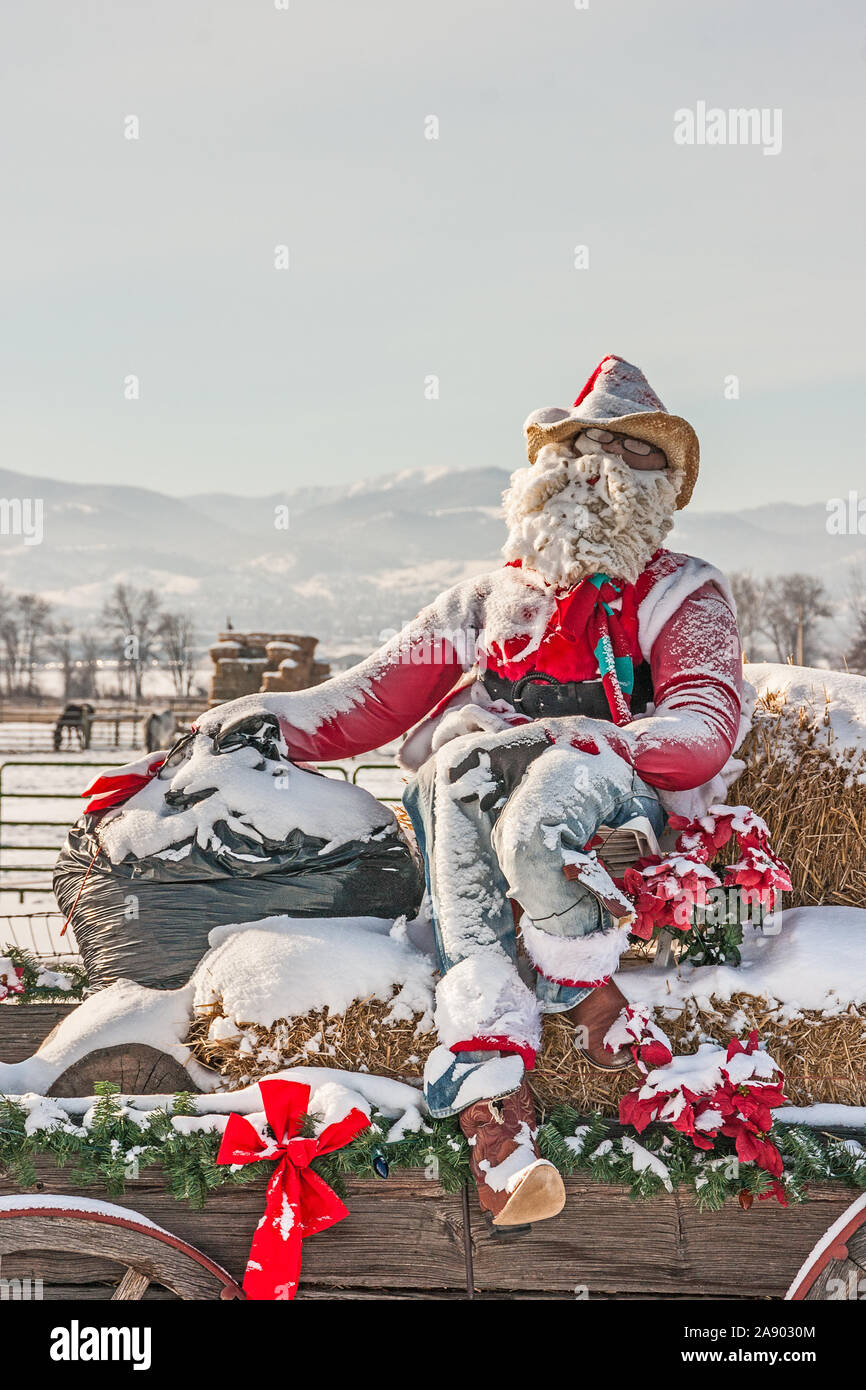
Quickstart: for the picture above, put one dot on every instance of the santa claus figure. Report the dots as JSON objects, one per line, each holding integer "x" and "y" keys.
{"x": 554, "y": 710}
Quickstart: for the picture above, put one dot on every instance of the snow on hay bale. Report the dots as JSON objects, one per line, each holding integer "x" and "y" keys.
{"x": 806, "y": 775}
{"x": 337, "y": 992}
{"x": 350, "y": 994}
{"x": 801, "y": 984}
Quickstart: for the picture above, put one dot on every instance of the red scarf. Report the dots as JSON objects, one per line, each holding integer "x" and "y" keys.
{"x": 587, "y": 638}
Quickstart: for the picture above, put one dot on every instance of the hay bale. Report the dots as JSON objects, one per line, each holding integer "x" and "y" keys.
{"x": 364, "y": 1035}
{"x": 806, "y": 775}
{"x": 338, "y": 992}
{"x": 822, "y": 1057}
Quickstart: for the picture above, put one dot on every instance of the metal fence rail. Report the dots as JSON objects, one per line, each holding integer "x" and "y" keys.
{"x": 54, "y": 795}
{"x": 38, "y": 933}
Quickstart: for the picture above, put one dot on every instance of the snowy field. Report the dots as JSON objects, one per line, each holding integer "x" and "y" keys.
{"x": 43, "y": 786}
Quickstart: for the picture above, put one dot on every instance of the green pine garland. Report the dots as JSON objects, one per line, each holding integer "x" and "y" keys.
{"x": 34, "y": 993}
{"x": 115, "y": 1147}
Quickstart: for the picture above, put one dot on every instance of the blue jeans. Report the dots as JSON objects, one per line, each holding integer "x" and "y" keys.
{"x": 494, "y": 815}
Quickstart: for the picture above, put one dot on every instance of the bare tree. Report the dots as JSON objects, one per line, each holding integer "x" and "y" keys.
{"x": 793, "y": 607}
{"x": 10, "y": 639}
{"x": 61, "y": 646}
{"x": 133, "y": 616}
{"x": 749, "y": 596}
{"x": 7, "y": 604}
{"x": 856, "y": 653}
{"x": 88, "y": 665}
{"x": 35, "y": 616}
{"x": 78, "y": 657}
{"x": 25, "y": 621}
{"x": 176, "y": 631}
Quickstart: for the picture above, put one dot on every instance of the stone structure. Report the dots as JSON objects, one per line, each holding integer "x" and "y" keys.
{"x": 246, "y": 662}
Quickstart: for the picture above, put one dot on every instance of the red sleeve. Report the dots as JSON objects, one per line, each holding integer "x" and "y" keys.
{"x": 372, "y": 703}
{"x": 697, "y": 675}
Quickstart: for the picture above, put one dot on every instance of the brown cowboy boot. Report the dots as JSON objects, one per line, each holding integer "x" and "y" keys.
{"x": 515, "y": 1184}
{"x": 593, "y": 1016}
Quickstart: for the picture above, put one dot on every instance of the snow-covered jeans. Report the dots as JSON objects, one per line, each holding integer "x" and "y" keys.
{"x": 494, "y": 815}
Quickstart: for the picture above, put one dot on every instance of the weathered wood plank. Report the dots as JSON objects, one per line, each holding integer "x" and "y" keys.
{"x": 93, "y": 1293}
{"x": 605, "y": 1243}
{"x": 23, "y": 1027}
{"x": 762, "y": 1248}
{"x": 54, "y": 1267}
{"x": 602, "y": 1241}
{"x": 401, "y": 1232}
{"x": 404, "y": 1239}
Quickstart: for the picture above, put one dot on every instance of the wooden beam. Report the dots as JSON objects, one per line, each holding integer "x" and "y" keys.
{"x": 404, "y": 1238}
{"x": 24, "y": 1027}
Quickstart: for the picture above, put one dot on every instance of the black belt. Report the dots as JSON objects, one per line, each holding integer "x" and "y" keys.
{"x": 539, "y": 695}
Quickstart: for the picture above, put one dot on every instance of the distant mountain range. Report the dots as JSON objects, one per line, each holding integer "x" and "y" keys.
{"x": 343, "y": 562}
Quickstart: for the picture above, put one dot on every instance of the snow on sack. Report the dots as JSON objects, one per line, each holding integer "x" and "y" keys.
{"x": 259, "y": 798}
{"x": 220, "y": 837}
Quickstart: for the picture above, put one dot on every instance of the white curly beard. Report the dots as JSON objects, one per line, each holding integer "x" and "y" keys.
{"x": 569, "y": 517}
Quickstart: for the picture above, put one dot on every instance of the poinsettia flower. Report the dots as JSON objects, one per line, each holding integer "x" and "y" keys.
{"x": 737, "y": 1106}
{"x": 736, "y": 1046}
{"x": 655, "y": 1054}
{"x": 754, "y": 1148}
{"x": 636, "y": 1112}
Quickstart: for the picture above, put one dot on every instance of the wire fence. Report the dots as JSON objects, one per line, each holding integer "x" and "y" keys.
{"x": 38, "y": 933}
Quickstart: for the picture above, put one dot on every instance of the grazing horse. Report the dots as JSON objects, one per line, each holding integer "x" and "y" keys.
{"x": 75, "y": 719}
{"x": 159, "y": 730}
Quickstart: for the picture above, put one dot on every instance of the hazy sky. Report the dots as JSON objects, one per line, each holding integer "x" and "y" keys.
{"x": 412, "y": 257}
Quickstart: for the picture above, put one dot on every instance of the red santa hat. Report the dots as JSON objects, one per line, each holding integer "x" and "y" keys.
{"x": 618, "y": 396}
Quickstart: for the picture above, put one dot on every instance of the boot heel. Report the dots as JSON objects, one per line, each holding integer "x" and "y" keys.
{"x": 505, "y": 1233}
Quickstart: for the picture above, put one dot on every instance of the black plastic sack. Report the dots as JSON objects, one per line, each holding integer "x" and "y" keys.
{"x": 147, "y": 919}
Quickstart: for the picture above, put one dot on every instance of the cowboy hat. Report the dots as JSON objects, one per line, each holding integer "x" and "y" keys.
{"x": 618, "y": 397}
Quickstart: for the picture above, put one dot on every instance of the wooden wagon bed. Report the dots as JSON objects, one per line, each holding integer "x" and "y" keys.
{"x": 407, "y": 1239}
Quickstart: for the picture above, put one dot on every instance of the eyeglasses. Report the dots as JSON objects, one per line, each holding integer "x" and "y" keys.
{"x": 634, "y": 446}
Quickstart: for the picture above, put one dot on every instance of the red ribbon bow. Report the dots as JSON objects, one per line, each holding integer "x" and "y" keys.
{"x": 298, "y": 1203}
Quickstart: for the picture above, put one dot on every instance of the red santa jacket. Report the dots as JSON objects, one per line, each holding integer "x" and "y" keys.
{"x": 679, "y": 617}
{"x": 682, "y": 618}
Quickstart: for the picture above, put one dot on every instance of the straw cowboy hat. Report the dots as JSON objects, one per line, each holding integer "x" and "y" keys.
{"x": 619, "y": 397}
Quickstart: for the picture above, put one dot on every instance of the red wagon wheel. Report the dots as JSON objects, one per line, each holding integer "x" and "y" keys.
{"x": 149, "y": 1254}
{"x": 836, "y": 1268}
